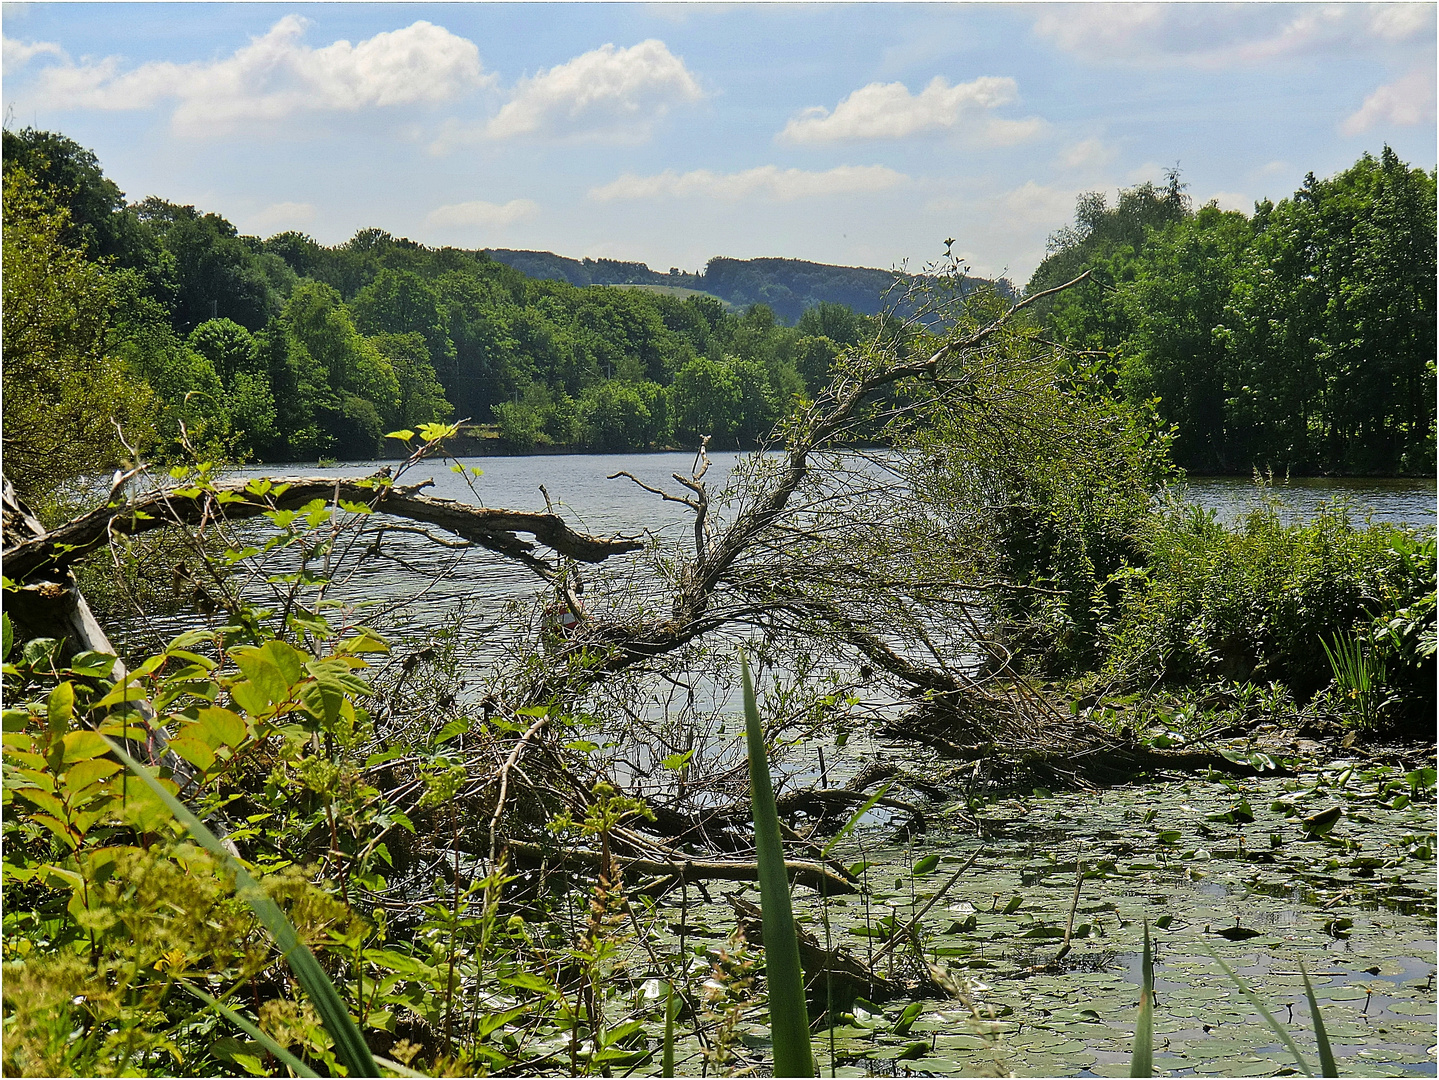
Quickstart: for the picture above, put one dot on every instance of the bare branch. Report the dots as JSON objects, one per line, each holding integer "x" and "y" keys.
{"x": 495, "y": 530}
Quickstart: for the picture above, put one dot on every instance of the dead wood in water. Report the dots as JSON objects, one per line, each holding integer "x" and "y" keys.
{"x": 232, "y": 500}
{"x": 673, "y": 872}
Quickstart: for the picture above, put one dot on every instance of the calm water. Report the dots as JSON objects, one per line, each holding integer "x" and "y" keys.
{"x": 423, "y": 585}
{"x": 1400, "y": 502}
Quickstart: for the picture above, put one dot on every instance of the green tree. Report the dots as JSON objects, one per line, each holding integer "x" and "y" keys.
{"x": 98, "y": 221}
{"x": 217, "y": 271}
{"x": 402, "y": 302}
{"x": 65, "y": 392}
{"x": 707, "y": 398}
{"x": 838, "y": 323}
{"x": 1177, "y": 348}
{"x": 227, "y": 345}
{"x": 422, "y": 398}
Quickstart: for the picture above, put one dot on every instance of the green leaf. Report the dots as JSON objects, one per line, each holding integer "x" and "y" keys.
{"x": 60, "y": 707}
{"x": 675, "y": 762}
{"x": 458, "y": 726}
{"x": 494, "y": 1021}
{"x": 526, "y": 980}
{"x": 84, "y": 773}
{"x": 1323, "y": 822}
{"x": 404, "y": 435}
{"x": 7, "y": 636}
{"x": 83, "y": 745}
{"x": 789, "y": 1016}
{"x": 37, "y": 651}
{"x": 672, "y": 1010}
{"x": 908, "y": 1017}
{"x": 193, "y": 750}
{"x": 854, "y": 819}
{"x": 92, "y": 664}
{"x": 350, "y": 1046}
{"x": 220, "y": 727}
{"x": 926, "y": 865}
{"x": 1327, "y": 1067}
{"x": 263, "y": 673}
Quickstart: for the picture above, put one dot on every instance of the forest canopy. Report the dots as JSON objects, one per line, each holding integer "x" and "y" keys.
{"x": 1301, "y": 337}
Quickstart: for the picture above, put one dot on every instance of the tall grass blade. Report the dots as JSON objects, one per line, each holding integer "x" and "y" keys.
{"x": 788, "y": 1014}
{"x": 350, "y": 1047}
{"x": 672, "y": 1007}
{"x": 1274, "y": 1025}
{"x": 1327, "y": 1067}
{"x": 1143, "y": 1060}
{"x": 281, "y": 1054}
{"x": 854, "y": 818}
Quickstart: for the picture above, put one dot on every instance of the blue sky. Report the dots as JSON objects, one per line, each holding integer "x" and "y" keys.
{"x": 861, "y": 134}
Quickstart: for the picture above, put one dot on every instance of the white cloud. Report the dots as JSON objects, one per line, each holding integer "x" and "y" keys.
{"x": 1403, "y": 103}
{"x": 890, "y": 111}
{"x": 1401, "y": 22}
{"x": 606, "y": 93}
{"x": 283, "y": 215}
{"x": 1229, "y": 200}
{"x": 19, "y": 53}
{"x": 1037, "y": 204}
{"x": 1216, "y": 35}
{"x": 484, "y": 214}
{"x": 1088, "y": 154}
{"x": 276, "y": 76}
{"x": 766, "y": 182}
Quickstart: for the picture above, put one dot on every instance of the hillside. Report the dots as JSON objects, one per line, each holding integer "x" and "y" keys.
{"x": 788, "y": 286}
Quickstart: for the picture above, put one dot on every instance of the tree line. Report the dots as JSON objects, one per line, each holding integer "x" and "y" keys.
{"x": 1301, "y": 337}
{"x": 184, "y": 331}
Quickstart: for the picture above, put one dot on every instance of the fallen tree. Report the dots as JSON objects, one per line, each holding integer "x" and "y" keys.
{"x": 814, "y": 550}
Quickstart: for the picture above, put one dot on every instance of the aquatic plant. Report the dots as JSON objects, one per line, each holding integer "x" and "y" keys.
{"x": 789, "y": 1014}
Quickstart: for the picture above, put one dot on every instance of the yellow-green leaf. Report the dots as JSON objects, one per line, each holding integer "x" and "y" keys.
{"x": 84, "y": 773}
{"x": 60, "y": 706}
{"x": 221, "y": 727}
{"x": 193, "y": 749}
{"x": 83, "y": 745}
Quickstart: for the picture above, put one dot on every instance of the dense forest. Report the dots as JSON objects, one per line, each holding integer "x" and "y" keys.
{"x": 1300, "y": 338}
{"x": 284, "y": 349}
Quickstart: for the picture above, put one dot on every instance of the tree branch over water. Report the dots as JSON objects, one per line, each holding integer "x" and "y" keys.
{"x": 493, "y": 529}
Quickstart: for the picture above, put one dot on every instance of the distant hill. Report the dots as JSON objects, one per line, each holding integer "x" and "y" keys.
{"x": 789, "y": 286}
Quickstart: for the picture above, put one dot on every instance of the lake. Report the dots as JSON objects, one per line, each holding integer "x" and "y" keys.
{"x": 438, "y": 586}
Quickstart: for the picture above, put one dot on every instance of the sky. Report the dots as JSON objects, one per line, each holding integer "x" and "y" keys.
{"x": 856, "y": 134}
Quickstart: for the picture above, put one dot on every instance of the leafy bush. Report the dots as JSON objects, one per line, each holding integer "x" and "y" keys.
{"x": 1256, "y": 602}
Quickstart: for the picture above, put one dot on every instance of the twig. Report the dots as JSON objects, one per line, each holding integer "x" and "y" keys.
{"x": 903, "y": 935}
{"x": 1073, "y": 906}
{"x": 530, "y": 732}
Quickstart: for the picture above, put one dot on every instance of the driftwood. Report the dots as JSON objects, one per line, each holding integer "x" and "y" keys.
{"x": 814, "y": 875}
{"x": 835, "y": 973}
{"x": 52, "y": 608}
{"x": 27, "y": 555}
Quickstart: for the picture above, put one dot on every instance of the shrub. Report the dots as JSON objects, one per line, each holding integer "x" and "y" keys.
{"x": 1254, "y": 603}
